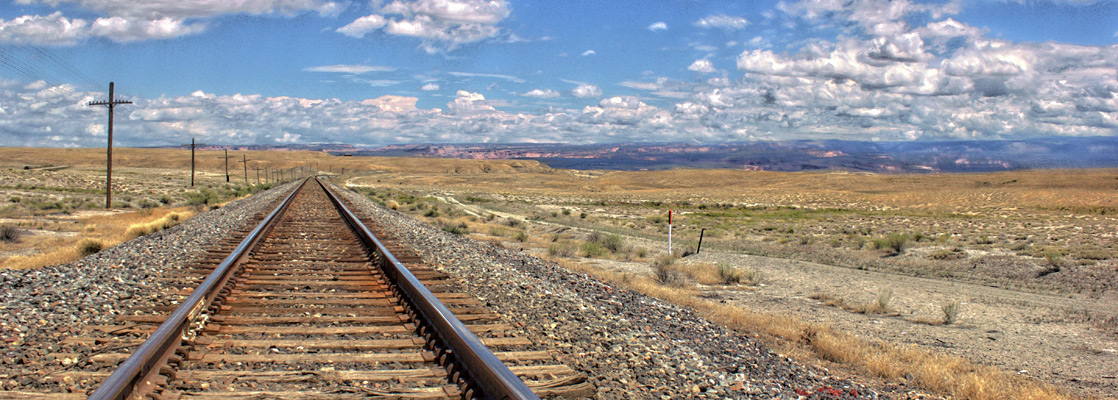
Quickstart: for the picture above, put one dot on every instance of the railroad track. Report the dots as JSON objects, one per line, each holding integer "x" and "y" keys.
{"x": 314, "y": 304}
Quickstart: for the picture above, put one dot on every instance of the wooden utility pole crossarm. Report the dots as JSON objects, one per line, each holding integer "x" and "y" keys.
{"x": 109, "y": 153}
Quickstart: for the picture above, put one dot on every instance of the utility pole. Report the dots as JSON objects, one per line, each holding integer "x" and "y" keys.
{"x": 192, "y": 145}
{"x": 244, "y": 161}
{"x": 109, "y": 154}
{"x": 226, "y": 165}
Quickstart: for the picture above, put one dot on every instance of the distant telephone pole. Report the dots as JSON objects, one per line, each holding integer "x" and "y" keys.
{"x": 192, "y": 145}
{"x": 109, "y": 154}
{"x": 226, "y": 165}
{"x": 244, "y": 161}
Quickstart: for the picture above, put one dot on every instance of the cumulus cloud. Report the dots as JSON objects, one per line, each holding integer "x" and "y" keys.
{"x": 442, "y": 25}
{"x": 702, "y": 66}
{"x": 658, "y": 26}
{"x": 722, "y": 21}
{"x": 542, "y": 94}
{"x": 586, "y": 90}
{"x": 887, "y": 79}
{"x": 147, "y": 20}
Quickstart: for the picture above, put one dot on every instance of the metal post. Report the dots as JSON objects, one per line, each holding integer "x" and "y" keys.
{"x": 226, "y": 165}
{"x": 109, "y": 151}
{"x": 701, "y": 232}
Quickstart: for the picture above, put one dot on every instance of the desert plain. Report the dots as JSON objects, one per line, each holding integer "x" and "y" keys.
{"x": 1014, "y": 274}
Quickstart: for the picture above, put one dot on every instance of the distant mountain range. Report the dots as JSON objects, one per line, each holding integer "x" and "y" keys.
{"x": 898, "y": 157}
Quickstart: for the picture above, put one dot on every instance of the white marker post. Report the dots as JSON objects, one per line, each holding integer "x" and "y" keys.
{"x": 669, "y": 232}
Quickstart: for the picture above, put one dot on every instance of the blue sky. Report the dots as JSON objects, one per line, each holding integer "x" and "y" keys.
{"x": 471, "y": 71}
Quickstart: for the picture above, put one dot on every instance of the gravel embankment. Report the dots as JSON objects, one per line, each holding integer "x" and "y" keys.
{"x": 40, "y": 307}
{"x": 629, "y": 344}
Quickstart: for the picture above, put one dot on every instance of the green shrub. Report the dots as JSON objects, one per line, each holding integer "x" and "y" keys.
{"x": 728, "y": 274}
{"x": 897, "y": 242}
{"x": 8, "y": 233}
{"x": 89, "y": 246}
{"x": 561, "y": 249}
{"x": 432, "y": 213}
{"x": 613, "y": 243}
{"x": 457, "y": 229}
{"x": 593, "y": 250}
{"x": 520, "y": 236}
{"x": 950, "y": 312}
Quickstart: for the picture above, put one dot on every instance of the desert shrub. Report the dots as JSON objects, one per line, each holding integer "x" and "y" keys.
{"x": 950, "y": 312}
{"x": 948, "y": 254}
{"x": 520, "y": 236}
{"x": 640, "y": 252}
{"x": 984, "y": 240}
{"x": 566, "y": 211}
{"x": 897, "y": 242}
{"x": 752, "y": 277}
{"x": 513, "y": 222}
{"x": 205, "y": 196}
{"x": 8, "y": 233}
{"x": 582, "y": 215}
{"x": 665, "y": 273}
{"x": 89, "y": 246}
{"x": 145, "y": 204}
{"x": 432, "y": 213}
{"x": 561, "y": 249}
{"x": 458, "y": 229}
{"x": 728, "y": 274}
{"x": 165, "y": 199}
{"x": 613, "y": 243}
{"x": 881, "y": 304}
{"x": 593, "y": 250}
{"x": 392, "y": 204}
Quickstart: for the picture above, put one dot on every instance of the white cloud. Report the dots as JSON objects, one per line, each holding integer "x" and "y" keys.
{"x": 363, "y": 26}
{"x": 640, "y": 85}
{"x": 350, "y": 68}
{"x": 658, "y": 26}
{"x": 509, "y": 78}
{"x": 53, "y": 29}
{"x": 542, "y": 94}
{"x": 443, "y": 25}
{"x": 430, "y": 87}
{"x": 147, "y": 20}
{"x": 702, "y": 66}
{"x": 586, "y": 90}
{"x": 722, "y": 21}
{"x": 588, "y": 53}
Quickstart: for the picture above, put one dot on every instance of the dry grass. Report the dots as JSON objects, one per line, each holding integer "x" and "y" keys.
{"x": 167, "y": 221}
{"x": 110, "y": 230}
{"x": 944, "y": 374}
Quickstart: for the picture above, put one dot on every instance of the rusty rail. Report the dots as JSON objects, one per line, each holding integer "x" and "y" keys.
{"x": 467, "y": 359}
{"x": 140, "y": 369}
{"x": 469, "y": 363}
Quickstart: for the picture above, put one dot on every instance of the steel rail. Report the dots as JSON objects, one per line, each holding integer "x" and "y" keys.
{"x": 141, "y": 367}
{"x": 479, "y": 365}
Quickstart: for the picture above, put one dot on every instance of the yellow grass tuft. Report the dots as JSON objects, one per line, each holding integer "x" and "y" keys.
{"x": 167, "y": 221}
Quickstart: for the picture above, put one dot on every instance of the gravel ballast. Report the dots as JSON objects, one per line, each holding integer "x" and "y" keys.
{"x": 40, "y": 307}
{"x": 629, "y": 344}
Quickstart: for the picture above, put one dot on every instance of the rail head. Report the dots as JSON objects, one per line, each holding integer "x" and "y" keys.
{"x": 492, "y": 377}
{"x": 162, "y": 343}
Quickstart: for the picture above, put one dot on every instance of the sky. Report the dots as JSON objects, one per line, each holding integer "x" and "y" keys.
{"x": 497, "y": 71}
